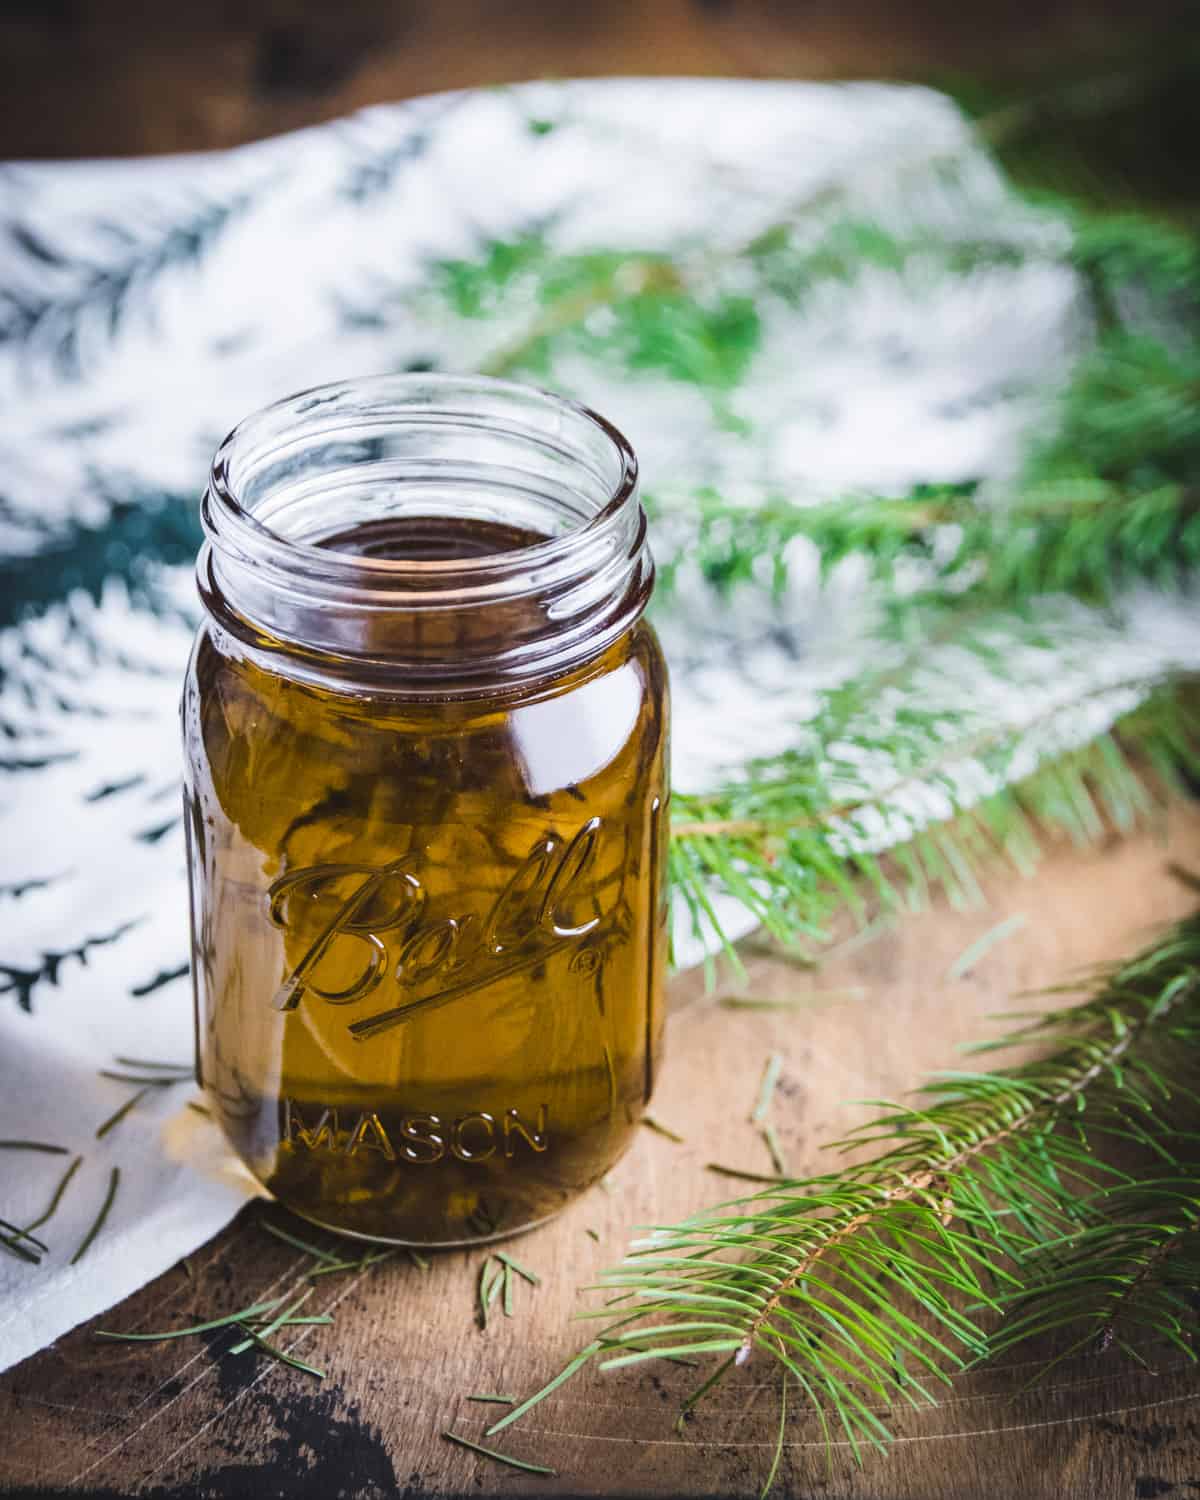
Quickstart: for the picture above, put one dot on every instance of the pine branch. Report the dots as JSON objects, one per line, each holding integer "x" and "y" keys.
{"x": 1000, "y": 1189}
{"x": 1086, "y": 536}
{"x": 660, "y": 316}
{"x": 1136, "y": 1267}
{"x": 76, "y": 302}
{"x": 1110, "y": 497}
{"x": 904, "y": 759}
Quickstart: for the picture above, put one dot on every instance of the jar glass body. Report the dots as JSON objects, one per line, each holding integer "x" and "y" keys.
{"x": 428, "y": 910}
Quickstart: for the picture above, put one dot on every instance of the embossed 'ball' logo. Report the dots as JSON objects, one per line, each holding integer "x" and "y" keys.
{"x": 345, "y": 912}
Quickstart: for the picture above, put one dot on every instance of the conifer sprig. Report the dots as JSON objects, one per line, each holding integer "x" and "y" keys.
{"x": 898, "y": 788}
{"x": 1063, "y": 1191}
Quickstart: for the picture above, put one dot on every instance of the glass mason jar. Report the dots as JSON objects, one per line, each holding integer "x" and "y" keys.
{"x": 425, "y": 729}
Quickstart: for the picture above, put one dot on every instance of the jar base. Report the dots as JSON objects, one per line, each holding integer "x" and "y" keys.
{"x": 409, "y": 1244}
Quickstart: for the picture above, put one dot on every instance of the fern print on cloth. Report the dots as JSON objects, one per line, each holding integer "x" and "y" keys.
{"x": 773, "y": 289}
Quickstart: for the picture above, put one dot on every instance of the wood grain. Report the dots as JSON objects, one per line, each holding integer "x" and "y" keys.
{"x": 115, "y": 77}
{"x": 181, "y": 1420}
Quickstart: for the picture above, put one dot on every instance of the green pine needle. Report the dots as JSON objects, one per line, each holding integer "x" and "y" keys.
{"x": 508, "y": 1292}
{"x": 119, "y": 1114}
{"x": 500, "y": 1458}
{"x": 15, "y": 1235}
{"x": 114, "y": 1182}
{"x": 971, "y": 955}
{"x": 64, "y": 1183}
{"x": 513, "y": 1264}
{"x": 243, "y": 1315}
{"x": 188, "y": 1069}
{"x": 766, "y": 1091}
{"x": 769, "y": 1482}
{"x": 281, "y": 1356}
{"x": 297, "y": 1243}
{"x": 275, "y": 1324}
{"x": 792, "y": 838}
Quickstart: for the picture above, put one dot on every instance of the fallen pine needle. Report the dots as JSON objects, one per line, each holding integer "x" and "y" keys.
{"x": 63, "y": 1183}
{"x": 119, "y": 1115}
{"x": 298, "y": 1244}
{"x": 501, "y": 1458}
{"x": 510, "y": 1260}
{"x": 778, "y": 1160}
{"x": 969, "y": 957}
{"x": 660, "y": 1129}
{"x": 243, "y": 1315}
{"x": 792, "y": 1002}
{"x": 721, "y": 1171}
{"x": 114, "y": 1182}
{"x": 564, "y": 1374}
{"x": 766, "y": 1090}
{"x": 281, "y": 1355}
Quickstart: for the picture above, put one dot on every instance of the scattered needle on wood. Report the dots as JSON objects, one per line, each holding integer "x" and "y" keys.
{"x": 488, "y": 1287}
{"x": 510, "y": 1260}
{"x": 969, "y": 957}
{"x": 241, "y": 1316}
{"x": 792, "y": 1002}
{"x": 282, "y": 1355}
{"x": 778, "y": 1160}
{"x": 766, "y": 1091}
{"x": 715, "y": 1166}
{"x": 501, "y": 1458}
{"x": 298, "y": 1244}
{"x": 274, "y": 1325}
{"x": 569, "y": 1369}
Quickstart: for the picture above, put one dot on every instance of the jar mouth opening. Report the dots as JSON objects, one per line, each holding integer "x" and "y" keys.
{"x": 256, "y": 507}
{"x": 521, "y": 507}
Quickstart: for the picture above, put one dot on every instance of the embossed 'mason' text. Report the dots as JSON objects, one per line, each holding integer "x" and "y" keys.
{"x": 418, "y": 1138}
{"x": 372, "y": 922}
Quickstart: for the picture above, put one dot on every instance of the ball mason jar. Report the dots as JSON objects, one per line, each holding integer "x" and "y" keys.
{"x": 425, "y": 730}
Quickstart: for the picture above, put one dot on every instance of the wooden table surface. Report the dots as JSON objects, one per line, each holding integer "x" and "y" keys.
{"x": 100, "y": 77}
{"x": 183, "y": 1419}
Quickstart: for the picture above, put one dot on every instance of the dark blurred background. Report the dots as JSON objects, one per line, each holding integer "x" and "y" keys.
{"x": 115, "y": 77}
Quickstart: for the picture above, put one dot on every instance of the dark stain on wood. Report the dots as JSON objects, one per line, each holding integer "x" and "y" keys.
{"x": 297, "y": 61}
